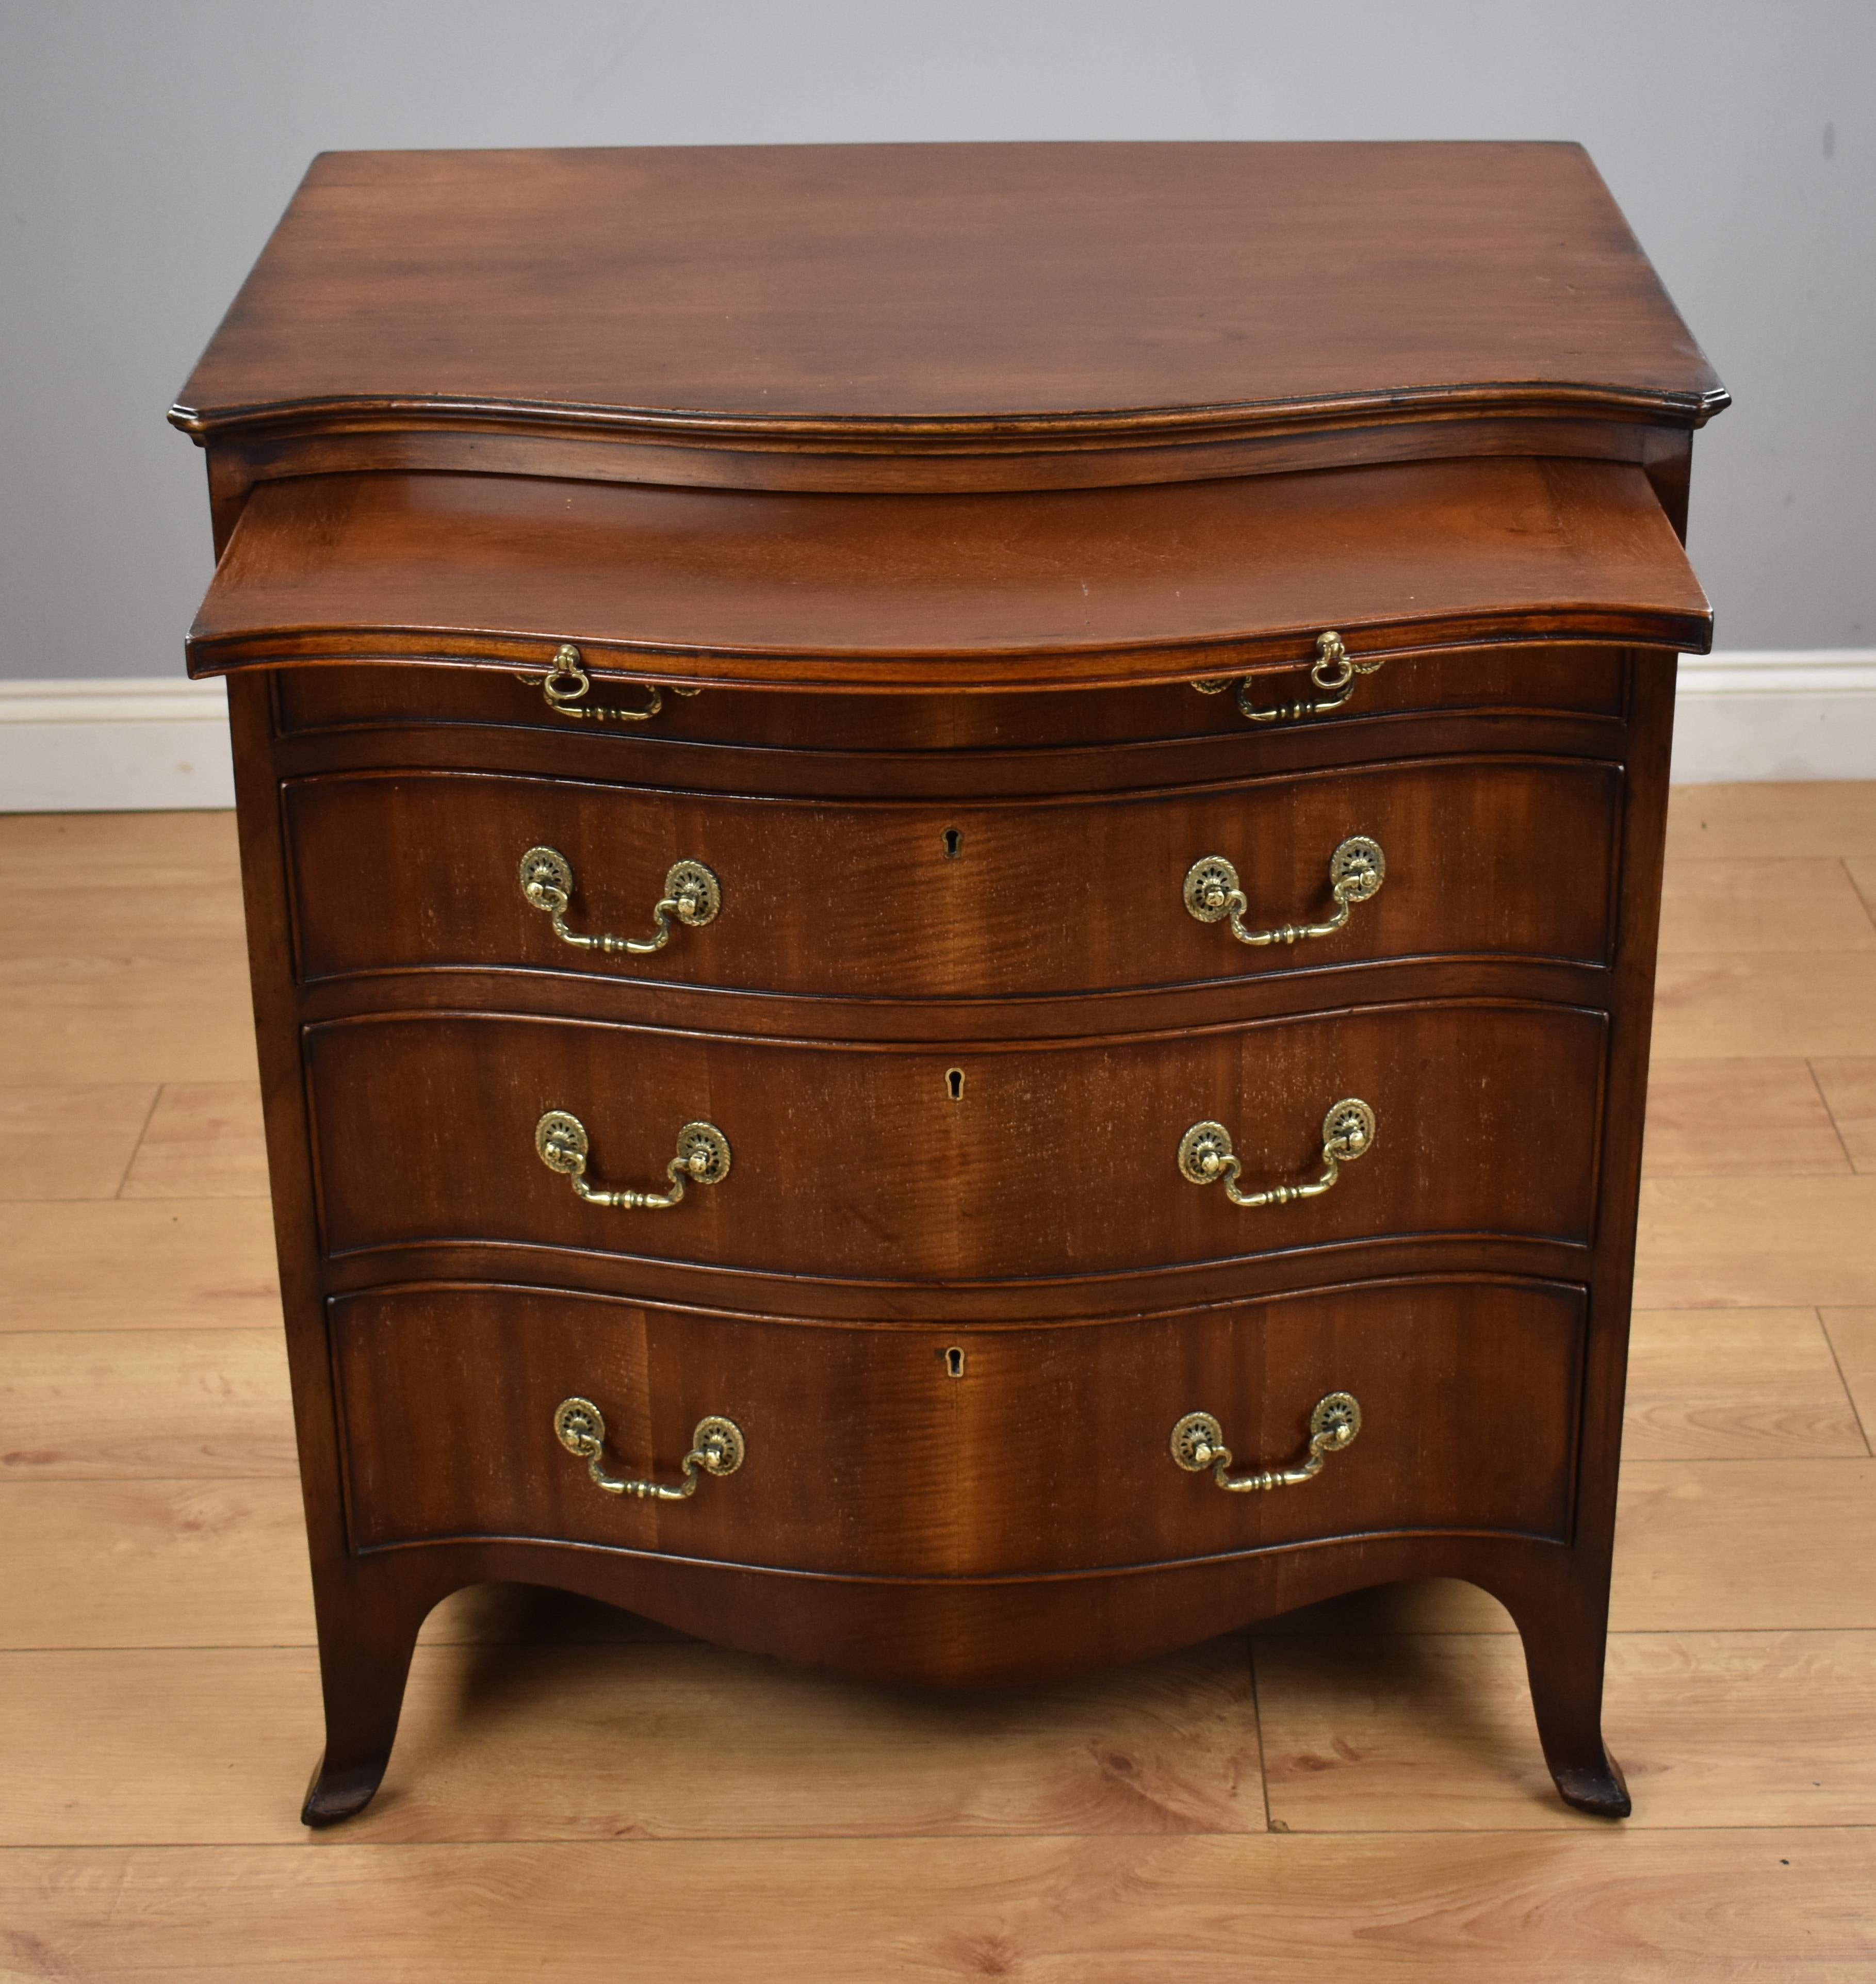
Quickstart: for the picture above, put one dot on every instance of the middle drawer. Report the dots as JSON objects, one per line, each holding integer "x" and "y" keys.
{"x": 889, "y": 1164}
{"x": 1445, "y": 857}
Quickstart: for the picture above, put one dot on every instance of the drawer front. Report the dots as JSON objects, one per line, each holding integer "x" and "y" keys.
{"x": 1049, "y": 1450}
{"x": 1562, "y": 681}
{"x": 889, "y": 900}
{"x": 888, "y": 1165}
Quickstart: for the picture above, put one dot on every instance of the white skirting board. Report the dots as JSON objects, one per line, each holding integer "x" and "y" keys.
{"x": 156, "y": 743}
{"x": 1792, "y": 713}
{"x": 132, "y": 744}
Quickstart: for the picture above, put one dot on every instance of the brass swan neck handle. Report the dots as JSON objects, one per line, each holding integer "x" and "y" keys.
{"x": 1332, "y": 671}
{"x": 1206, "y": 1156}
{"x": 1198, "y": 1443}
{"x": 1211, "y": 893}
{"x": 566, "y": 685}
{"x": 562, "y": 1144}
{"x": 692, "y": 893}
{"x": 716, "y": 1447}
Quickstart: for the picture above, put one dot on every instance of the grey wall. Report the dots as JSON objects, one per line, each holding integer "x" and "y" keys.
{"x": 147, "y": 146}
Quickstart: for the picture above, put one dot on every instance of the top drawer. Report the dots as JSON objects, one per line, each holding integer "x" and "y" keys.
{"x": 1562, "y": 681}
{"x": 1506, "y": 857}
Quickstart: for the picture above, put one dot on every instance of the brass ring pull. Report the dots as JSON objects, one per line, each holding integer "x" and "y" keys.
{"x": 1198, "y": 1443}
{"x": 1206, "y": 1157}
{"x": 561, "y": 1142}
{"x": 566, "y": 685}
{"x": 692, "y": 893}
{"x": 1356, "y": 869}
{"x": 716, "y": 1447}
{"x": 1333, "y": 671}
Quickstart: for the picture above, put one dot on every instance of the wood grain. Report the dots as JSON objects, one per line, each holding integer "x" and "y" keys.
{"x": 1847, "y": 1083}
{"x": 153, "y": 1563}
{"x": 1724, "y": 1546}
{"x": 1412, "y": 1605}
{"x": 73, "y": 1141}
{"x": 1711, "y": 1118}
{"x": 100, "y": 853}
{"x": 114, "y": 956}
{"x": 1711, "y": 1005}
{"x": 1722, "y": 1384}
{"x": 831, "y": 288}
{"x": 1862, "y": 873}
{"x": 1734, "y": 1571}
{"x": 1821, "y": 819}
{"x": 1551, "y": 1908}
{"x": 204, "y": 1140}
{"x": 1029, "y": 898}
{"x": 823, "y": 731}
{"x": 1081, "y": 589}
{"x": 110, "y": 1023}
{"x": 607, "y": 1742}
{"x": 1765, "y": 905}
{"x": 216, "y": 1562}
{"x": 114, "y": 1404}
{"x": 1754, "y": 1242}
{"x": 177, "y": 1264}
{"x": 447, "y": 1400}
{"x": 1852, "y": 1332}
{"x": 424, "y": 1126}
{"x": 1434, "y": 1733}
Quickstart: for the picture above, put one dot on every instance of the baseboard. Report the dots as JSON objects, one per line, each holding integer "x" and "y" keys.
{"x": 152, "y": 744}
{"x": 137, "y": 744}
{"x": 1795, "y": 713}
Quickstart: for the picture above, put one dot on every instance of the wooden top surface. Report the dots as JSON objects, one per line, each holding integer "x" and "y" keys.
{"x": 953, "y": 290}
{"x": 1062, "y": 588}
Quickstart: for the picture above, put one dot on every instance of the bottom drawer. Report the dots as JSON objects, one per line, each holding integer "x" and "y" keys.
{"x": 901, "y": 1450}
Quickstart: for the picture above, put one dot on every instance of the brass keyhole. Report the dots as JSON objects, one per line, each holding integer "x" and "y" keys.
{"x": 954, "y": 1083}
{"x": 954, "y": 1362}
{"x": 953, "y": 843}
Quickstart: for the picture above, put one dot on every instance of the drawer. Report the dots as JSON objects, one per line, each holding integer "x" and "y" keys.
{"x": 891, "y": 1164}
{"x": 1572, "y": 680}
{"x": 902, "y": 900}
{"x": 855, "y": 1439}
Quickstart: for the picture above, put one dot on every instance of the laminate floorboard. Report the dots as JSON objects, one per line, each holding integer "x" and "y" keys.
{"x": 575, "y": 1790}
{"x": 1428, "y": 1732}
{"x": 1754, "y": 1118}
{"x": 174, "y": 1264}
{"x": 1749, "y": 904}
{"x": 1559, "y": 1907}
{"x": 602, "y": 1741}
{"x": 204, "y": 1140}
{"x": 110, "y": 1404}
{"x": 1745, "y": 1384}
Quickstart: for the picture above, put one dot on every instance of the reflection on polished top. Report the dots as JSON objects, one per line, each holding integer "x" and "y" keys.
{"x": 953, "y": 291}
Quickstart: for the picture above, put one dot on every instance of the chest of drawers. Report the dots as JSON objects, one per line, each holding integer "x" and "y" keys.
{"x": 951, "y": 856}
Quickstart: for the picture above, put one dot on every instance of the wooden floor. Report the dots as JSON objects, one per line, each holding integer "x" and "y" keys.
{"x": 1356, "y": 1792}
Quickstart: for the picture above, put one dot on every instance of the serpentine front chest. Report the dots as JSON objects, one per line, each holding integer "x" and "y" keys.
{"x": 952, "y": 855}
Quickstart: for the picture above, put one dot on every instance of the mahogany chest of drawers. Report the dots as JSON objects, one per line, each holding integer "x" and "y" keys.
{"x": 952, "y": 856}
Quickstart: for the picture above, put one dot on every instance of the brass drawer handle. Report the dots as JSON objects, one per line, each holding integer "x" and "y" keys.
{"x": 1356, "y": 869}
{"x": 1333, "y": 671}
{"x": 561, "y": 1142}
{"x": 716, "y": 1447}
{"x": 566, "y": 684}
{"x": 692, "y": 893}
{"x": 1198, "y": 1443}
{"x": 1205, "y": 1155}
